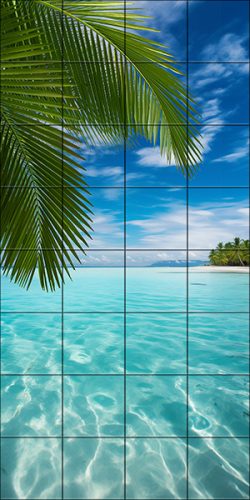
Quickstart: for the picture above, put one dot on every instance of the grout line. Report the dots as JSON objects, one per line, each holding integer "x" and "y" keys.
{"x": 187, "y": 257}
{"x": 127, "y": 437}
{"x": 129, "y": 312}
{"x": 68, "y": 374}
{"x": 149, "y": 498}
{"x": 121, "y": 249}
{"x": 125, "y": 260}
{"x": 133, "y": 61}
{"x": 128, "y": 125}
{"x": 48, "y": 188}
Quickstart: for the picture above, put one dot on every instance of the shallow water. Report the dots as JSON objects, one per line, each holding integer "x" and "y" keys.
{"x": 92, "y": 413}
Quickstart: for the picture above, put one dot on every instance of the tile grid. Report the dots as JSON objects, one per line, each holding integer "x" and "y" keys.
{"x": 124, "y": 274}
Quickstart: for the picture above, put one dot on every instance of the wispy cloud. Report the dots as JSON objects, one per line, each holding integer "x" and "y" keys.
{"x": 230, "y": 47}
{"x": 212, "y": 81}
{"x": 170, "y": 21}
{"x": 171, "y": 13}
{"x": 104, "y": 171}
{"x": 212, "y": 112}
{"x": 217, "y": 221}
{"x": 236, "y": 154}
{"x": 107, "y": 230}
{"x": 211, "y": 115}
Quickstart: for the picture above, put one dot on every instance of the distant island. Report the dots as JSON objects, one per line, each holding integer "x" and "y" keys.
{"x": 179, "y": 263}
{"x": 232, "y": 253}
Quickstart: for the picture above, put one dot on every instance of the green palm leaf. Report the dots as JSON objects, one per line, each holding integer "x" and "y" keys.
{"x": 130, "y": 84}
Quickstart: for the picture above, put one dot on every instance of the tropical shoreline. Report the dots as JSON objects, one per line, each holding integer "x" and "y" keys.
{"x": 213, "y": 269}
{"x": 221, "y": 269}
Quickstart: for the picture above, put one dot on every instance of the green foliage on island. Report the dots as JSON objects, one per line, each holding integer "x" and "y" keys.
{"x": 233, "y": 253}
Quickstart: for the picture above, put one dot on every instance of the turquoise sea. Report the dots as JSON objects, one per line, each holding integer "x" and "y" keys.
{"x": 171, "y": 450}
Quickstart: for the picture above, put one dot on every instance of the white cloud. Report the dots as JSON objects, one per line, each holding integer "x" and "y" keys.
{"x": 164, "y": 17}
{"x": 226, "y": 220}
{"x": 237, "y": 154}
{"x": 209, "y": 73}
{"x": 146, "y": 258}
{"x": 229, "y": 48}
{"x": 134, "y": 176}
{"x": 104, "y": 259}
{"x": 212, "y": 115}
{"x": 169, "y": 13}
{"x": 244, "y": 211}
{"x": 151, "y": 157}
{"x": 161, "y": 230}
{"x": 211, "y": 111}
{"x": 209, "y": 223}
{"x": 160, "y": 17}
{"x": 104, "y": 171}
{"x": 107, "y": 230}
{"x": 112, "y": 194}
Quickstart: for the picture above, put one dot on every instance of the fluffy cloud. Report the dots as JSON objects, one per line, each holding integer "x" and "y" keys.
{"x": 151, "y": 157}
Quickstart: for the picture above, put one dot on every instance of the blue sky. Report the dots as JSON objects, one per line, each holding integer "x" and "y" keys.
{"x": 218, "y": 79}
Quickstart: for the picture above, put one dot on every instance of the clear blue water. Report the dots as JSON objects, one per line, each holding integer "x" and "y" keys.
{"x": 156, "y": 387}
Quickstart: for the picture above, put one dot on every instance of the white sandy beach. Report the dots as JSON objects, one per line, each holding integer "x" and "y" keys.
{"x": 220, "y": 269}
{"x": 205, "y": 269}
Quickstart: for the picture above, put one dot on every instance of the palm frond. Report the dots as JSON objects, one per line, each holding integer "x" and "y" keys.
{"x": 130, "y": 84}
{"x": 135, "y": 82}
{"x": 44, "y": 214}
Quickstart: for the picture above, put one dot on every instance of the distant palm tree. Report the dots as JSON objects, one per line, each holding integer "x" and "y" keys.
{"x": 217, "y": 257}
{"x": 106, "y": 88}
{"x": 232, "y": 253}
{"x": 245, "y": 245}
{"x": 221, "y": 254}
{"x": 236, "y": 250}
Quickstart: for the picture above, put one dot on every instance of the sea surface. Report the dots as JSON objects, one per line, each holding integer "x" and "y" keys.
{"x": 183, "y": 406}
